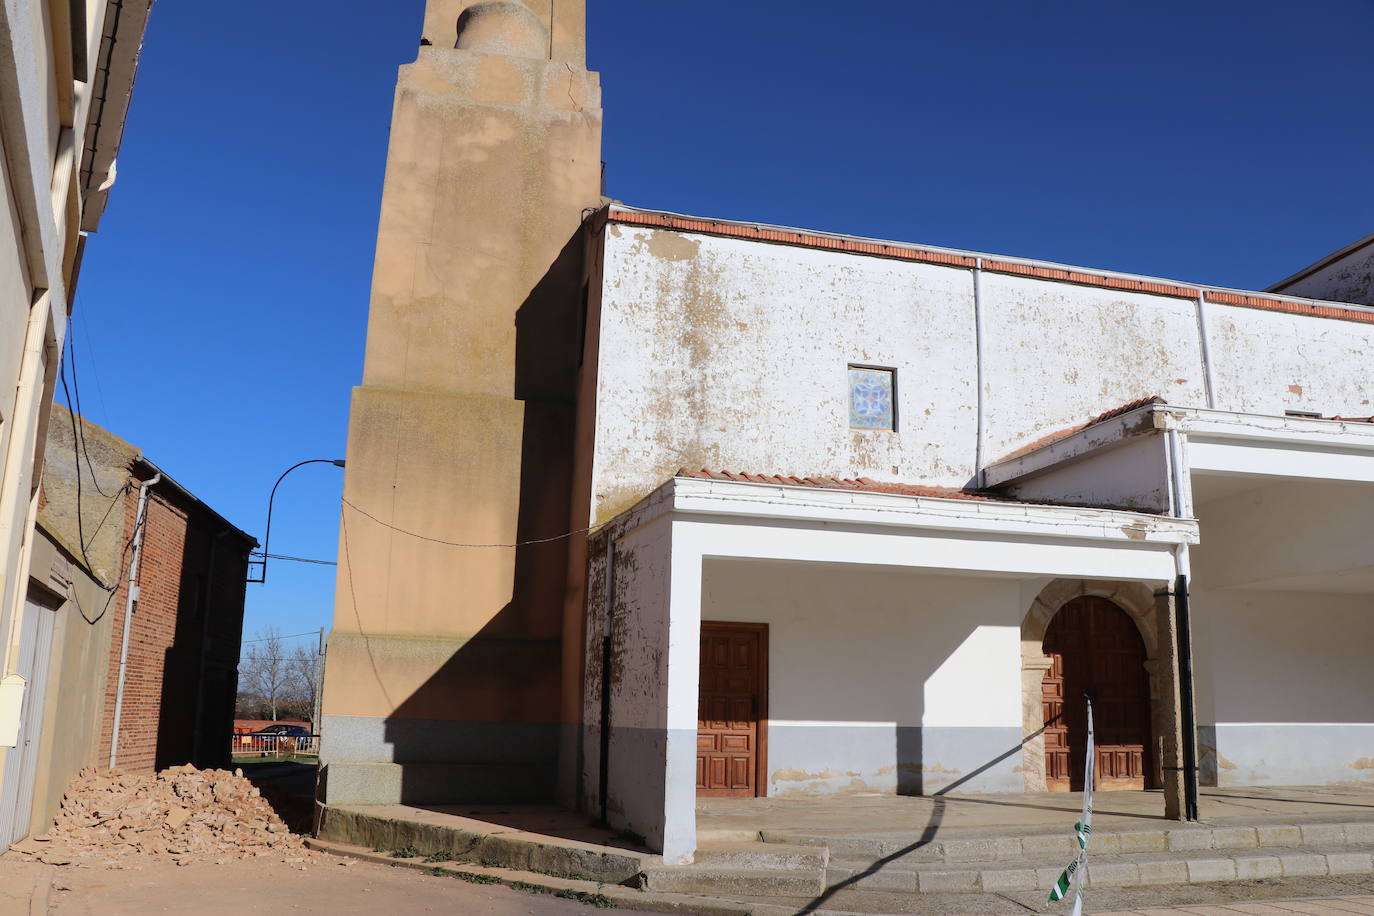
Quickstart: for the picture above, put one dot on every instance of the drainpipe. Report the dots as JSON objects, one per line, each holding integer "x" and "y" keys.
{"x": 1183, "y": 628}
{"x": 1208, "y": 379}
{"x": 978, "y": 330}
{"x": 131, "y": 602}
{"x": 604, "y": 764}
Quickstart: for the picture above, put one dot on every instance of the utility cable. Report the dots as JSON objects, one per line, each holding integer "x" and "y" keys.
{"x": 283, "y": 556}
{"x": 357, "y": 616}
{"x": 270, "y": 638}
{"x": 434, "y": 540}
{"x": 80, "y": 430}
{"x": 110, "y": 590}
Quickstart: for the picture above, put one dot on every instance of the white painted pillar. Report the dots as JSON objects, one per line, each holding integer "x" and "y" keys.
{"x": 684, "y": 672}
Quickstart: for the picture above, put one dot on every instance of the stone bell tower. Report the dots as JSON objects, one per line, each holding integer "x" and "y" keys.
{"x": 443, "y": 669}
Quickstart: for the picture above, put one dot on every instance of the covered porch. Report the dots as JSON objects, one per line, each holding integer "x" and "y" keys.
{"x": 1280, "y": 587}
{"x": 791, "y": 643}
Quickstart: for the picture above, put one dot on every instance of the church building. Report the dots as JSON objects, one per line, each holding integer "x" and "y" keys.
{"x": 643, "y": 507}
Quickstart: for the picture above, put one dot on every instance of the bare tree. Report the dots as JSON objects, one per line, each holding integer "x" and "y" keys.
{"x": 265, "y": 669}
{"x": 302, "y": 669}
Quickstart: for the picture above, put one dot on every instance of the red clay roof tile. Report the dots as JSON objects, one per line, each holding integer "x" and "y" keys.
{"x": 1069, "y": 431}
{"x": 858, "y": 484}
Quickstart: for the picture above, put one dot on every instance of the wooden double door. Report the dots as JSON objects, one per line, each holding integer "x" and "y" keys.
{"x": 732, "y": 710}
{"x": 1095, "y": 649}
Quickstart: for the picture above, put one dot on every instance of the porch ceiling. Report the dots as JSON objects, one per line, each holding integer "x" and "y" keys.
{"x": 1284, "y": 533}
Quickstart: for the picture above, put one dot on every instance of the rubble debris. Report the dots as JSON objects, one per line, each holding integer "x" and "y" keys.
{"x": 181, "y": 814}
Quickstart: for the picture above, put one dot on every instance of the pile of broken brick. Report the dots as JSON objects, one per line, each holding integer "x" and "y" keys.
{"x": 181, "y": 814}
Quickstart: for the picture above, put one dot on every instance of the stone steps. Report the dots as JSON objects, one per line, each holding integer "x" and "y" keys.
{"x": 1105, "y": 869}
{"x": 745, "y": 868}
{"x": 756, "y": 854}
{"x": 966, "y": 847}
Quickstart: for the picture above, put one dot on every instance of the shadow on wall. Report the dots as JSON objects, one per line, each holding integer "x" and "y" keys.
{"x": 485, "y": 726}
{"x": 200, "y": 667}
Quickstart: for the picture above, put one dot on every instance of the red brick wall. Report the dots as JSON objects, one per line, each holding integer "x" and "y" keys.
{"x": 150, "y": 637}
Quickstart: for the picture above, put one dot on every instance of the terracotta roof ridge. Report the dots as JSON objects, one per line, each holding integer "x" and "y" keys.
{"x": 1067, "y": 431}
{"x": 1265, "y": 300}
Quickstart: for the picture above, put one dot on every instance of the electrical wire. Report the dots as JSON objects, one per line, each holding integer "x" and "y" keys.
{"x": 433, "y": 540}
{"x": 76, "y": 453}
{"x": 110, "y": 590}
{"x": 358, "y": 617}
{"x": 282, "y": 556}
{"x": 270, "y": 638}
{"x": 80, "y": 428}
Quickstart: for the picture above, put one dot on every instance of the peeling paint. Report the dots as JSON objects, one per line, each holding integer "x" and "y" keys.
{"x": 670, "y": 246}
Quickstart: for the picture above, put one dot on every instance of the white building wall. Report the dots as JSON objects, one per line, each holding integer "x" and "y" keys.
{"x": 1346, "y": 278}
{"x": 45, "y": 110}
{"x": 881, "y": 680}
{"x": 1057, "y": 354}
{"x": 1283, "y": 619}
{"x": 731, "y": 354}
{"x": 1284, "y": 686}
{"x": 1269, "y": 362}
{"x": 721, "y": 353}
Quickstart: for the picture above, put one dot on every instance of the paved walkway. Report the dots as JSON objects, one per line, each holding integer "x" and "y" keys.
{"x": 1029, "y": 813}
{"x": 329, "y": 885}
{"x": 1268, "y": 908}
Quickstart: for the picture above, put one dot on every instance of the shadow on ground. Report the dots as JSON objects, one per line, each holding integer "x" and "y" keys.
{"x": 289, "y": 788}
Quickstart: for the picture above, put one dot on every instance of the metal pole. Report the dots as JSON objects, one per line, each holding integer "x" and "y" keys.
{"x": 267, "y": 533}
{"x": 607, "y": 653}
{"x": 1183, "y": 624}
{"x": 319, "y": 685}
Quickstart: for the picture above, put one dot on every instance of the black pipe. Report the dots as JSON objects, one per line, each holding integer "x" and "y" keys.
{"x": 604, "y": 763}
{"x": 1185, "y": 689}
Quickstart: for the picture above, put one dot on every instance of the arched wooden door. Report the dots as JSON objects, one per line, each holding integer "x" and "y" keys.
{"x": 1095, "y": 648}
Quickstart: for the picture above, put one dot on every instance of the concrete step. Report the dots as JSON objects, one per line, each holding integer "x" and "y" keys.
{"x": 726, "y": 880}
{"x": 973, "y": 847}
{"x": 1201, "y": 866}
{"x": 467, "y": 840}
{"x": 762, "y": 855}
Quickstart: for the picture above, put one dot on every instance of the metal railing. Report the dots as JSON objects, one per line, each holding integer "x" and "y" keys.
{"x": 269, "y": 747}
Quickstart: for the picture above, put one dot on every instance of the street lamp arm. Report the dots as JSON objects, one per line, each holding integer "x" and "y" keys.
{"x": 267, "y": 532}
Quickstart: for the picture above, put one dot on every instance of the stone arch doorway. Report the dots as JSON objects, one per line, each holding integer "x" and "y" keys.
{"x": 1141, "y": 605}
{"x": 1096, "y": 651}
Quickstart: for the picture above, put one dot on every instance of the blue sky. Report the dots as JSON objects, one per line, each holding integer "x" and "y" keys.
{"x": 222, "y": 306}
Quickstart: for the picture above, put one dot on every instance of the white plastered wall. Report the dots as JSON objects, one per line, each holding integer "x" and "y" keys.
{"x": 722, "y": 353}
{"x": 880, "y": 680}
{"x": 731, "y": 354}
{"x": 1283, "y": 618}
{"x": 1058, "y": 354}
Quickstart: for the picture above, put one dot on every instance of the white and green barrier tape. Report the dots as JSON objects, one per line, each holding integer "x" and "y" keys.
{"x": 1077, "y": 871}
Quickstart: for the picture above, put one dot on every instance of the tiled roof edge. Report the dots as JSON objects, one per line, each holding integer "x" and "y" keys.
{"x": 906, "y": 252}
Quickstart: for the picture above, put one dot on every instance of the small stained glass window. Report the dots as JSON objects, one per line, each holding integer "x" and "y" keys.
{"x": 871, "y": 398}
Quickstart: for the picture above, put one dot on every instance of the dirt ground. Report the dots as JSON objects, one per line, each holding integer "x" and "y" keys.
{"x": 257, "y": 886}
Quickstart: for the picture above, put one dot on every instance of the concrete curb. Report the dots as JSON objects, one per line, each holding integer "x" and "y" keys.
{"x": 623, "y": 897}
{"x": 397, "y": 827}
{"x": 1107, "y": 870}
